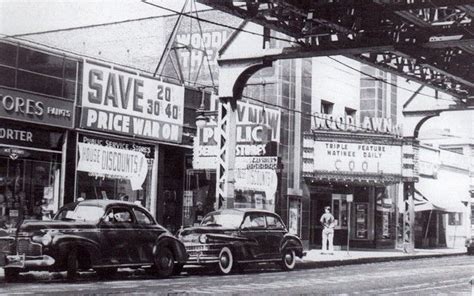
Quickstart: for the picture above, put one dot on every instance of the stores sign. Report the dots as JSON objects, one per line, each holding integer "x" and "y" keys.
{"x": 254, "y": 129}
{"x": 126, "y": 103}
{"x": 35, "y": 108}
{"x": 113, "y": 163}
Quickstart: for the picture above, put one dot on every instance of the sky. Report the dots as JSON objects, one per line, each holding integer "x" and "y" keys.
{"x": 27, "y": 16}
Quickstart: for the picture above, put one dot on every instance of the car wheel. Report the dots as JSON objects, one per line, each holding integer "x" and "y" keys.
{"x": 288, "y": 261}
{"x": 106, "y": 272}
{"x": 11, "y": 274}
{"x": 164, "y": 262}
{"x": 226, "y": 261}
{"x": 178, "y": 268}
{"x": 72, "y": 265}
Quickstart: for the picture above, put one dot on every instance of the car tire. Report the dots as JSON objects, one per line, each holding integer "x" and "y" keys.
{"x": 178, "y": 268}
{"x": 288, "y": 260}
{"x": 470, "y": 251}
{"x": 164, "y": 262}
{"x": 11, "y": 274}
{"x": 72, "y": 265}
{"x": 226, "y": 261}
{"x": 106, "y": 272}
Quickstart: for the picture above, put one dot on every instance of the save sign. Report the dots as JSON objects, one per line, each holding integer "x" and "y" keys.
{"x": 126, "y": 103}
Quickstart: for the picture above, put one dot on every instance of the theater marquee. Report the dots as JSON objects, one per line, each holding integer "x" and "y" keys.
{"x": 342, "y": 156}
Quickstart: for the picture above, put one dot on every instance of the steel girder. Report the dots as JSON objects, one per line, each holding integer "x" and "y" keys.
{"x": 431, "y": 42}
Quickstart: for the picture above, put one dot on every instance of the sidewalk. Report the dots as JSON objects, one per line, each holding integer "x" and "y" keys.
{"x": 315, "y": 259}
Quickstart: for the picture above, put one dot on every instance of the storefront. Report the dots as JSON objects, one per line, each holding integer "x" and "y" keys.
{"x": 256, "y": 165}
{"x": 37, "y": 97}
{"x": 441, "y": 199}
{"x": 127, "y": 122}
{"x": 356, "y": 173}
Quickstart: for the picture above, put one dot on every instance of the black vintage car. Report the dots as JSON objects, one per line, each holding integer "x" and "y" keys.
{"x": 99, "y": 234}
{"x": 232, "y": 238}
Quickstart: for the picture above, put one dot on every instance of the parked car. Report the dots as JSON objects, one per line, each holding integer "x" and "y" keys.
{"x": 230, "y": 239}
{"x": 92, "y": 234}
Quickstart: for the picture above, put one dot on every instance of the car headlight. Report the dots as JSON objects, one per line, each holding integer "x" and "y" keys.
{"x": 203, "y": 239}
{"x": 43, "y": 239}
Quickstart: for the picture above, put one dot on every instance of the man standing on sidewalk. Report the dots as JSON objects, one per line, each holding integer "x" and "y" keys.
{"x": 328, "y": 222}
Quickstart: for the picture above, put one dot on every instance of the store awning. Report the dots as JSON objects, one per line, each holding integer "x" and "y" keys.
{"x": 431, "y": 194}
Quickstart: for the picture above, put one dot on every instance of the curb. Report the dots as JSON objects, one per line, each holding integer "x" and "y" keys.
{"x": 342, "y": 262}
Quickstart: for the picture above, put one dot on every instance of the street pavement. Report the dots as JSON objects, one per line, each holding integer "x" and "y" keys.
{"x": 447, "y": 275}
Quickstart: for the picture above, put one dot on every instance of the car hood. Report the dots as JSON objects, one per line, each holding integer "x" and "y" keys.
{"x": 34, "y": 225}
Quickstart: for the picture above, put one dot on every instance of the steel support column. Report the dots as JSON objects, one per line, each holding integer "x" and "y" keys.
{"x": 233, "y": 76}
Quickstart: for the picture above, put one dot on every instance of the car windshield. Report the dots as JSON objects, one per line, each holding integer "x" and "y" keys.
{"x": 86, "y": 213}
{"x": 230, "y": 220}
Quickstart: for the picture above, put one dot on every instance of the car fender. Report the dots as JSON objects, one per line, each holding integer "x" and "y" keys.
{"x": 62, "y": 244}
{"x": 166, "y": 240}
{"x": 292, "y": 242}
{"x": 234, "y": 242}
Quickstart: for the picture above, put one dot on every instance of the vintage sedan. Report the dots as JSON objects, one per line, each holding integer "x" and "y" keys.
{"x": 93, "y": 234}
{"x": 230, "y": 239}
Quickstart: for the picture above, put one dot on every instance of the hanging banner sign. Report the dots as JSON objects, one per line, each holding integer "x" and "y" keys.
{"x": 258, "y": 174}
{"x": 125, "y": 103}
{"x": 113, "y": 163}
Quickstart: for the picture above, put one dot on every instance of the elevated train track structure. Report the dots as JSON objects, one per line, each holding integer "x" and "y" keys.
{"x": 427, "y": 41}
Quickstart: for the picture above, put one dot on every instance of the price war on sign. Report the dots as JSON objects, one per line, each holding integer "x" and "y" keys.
{"x": 125, "y": 103}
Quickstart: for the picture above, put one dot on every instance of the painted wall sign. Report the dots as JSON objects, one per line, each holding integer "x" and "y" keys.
{"x": 36, "y": 108}
{"x": 255, "y": 128}
{"x": 125, "y": 103}
{"x": 350, "y": 123}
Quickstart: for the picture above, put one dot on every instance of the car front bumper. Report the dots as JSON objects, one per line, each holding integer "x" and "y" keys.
{"x": 203, "y": 253}
{"x": 24, "y": 262}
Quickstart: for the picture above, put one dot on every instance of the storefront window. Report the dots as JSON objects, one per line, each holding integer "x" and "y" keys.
{"x": 199, "y": 196}
{"x": 455, "y": 219}
{"x": 29, "y": 184}
{"x": 109, "y": 169}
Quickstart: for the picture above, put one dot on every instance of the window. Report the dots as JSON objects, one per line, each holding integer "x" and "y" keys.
{"x": 326, "y": 107}
{"x": 455, "y": 219}
{"x": 274, "y": 223}
{"x": 119, "y": 215}
{"x": 142, "y": 217}
{"x": 350, "y": 112}
{"x": 254, "y": 221}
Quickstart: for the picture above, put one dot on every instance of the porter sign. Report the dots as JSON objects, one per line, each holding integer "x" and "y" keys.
{"x": 120, "y": 102}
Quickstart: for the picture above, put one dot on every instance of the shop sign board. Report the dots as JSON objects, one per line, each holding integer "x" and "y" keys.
{"x": 122, "y": 102}
{"x": 353, "y": 124}
{"x": 23, "y": 134}
{"x": 256, "y": 127}
{"x": 35, "y": 108}
{"x": 105, "y": 158}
